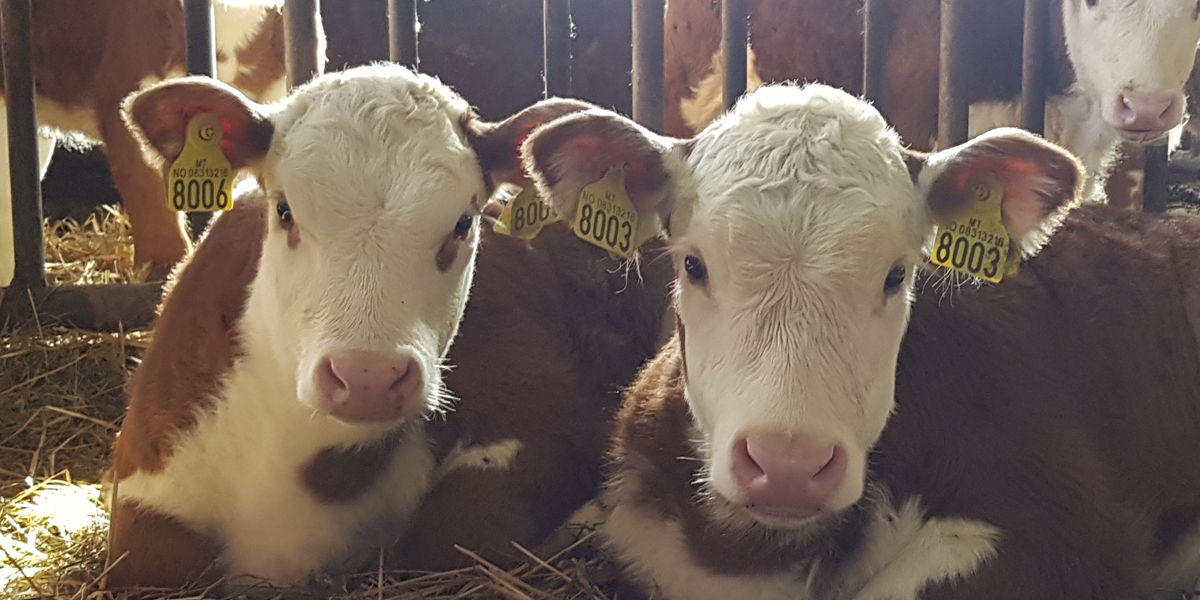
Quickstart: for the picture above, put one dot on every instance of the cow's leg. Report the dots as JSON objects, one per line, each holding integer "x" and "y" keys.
{"x": 499, "y": 494}
{"x": 45, "y": 150}
{"x": 152, "y": 550}
{"x": 159, "y": 237}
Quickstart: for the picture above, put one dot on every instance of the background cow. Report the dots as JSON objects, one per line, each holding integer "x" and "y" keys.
{"x": 1117, "y": 69}
{"x": 88, "y": 56}
{"x": 1044, "y": 433}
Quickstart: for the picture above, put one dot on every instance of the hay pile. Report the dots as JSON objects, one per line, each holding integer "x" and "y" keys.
{"x": 98, "y": 251}
{"x": 61, "y": 402}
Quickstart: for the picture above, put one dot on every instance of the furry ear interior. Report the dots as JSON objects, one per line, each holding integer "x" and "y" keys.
{"x": 498, "y": 144}
{"x": 576, "y": 150}
{"x": 1041, "y": 182}
{"x": 159, "y": 115}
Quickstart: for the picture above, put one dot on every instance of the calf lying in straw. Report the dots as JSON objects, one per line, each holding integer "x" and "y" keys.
{"x": 1046, "y": 430}
{"x": 292, "y": 416}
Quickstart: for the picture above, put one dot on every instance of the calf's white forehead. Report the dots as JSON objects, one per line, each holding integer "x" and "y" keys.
{"x": 374, "y": 140}
{"x": 798, "y": 177}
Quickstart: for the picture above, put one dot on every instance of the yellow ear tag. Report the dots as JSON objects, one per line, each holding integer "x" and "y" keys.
{"x": 606, "y": 217}
{"x": 201, "y": 179}
{"x": 525, "y": 215}
{"x": 977, "y": 242}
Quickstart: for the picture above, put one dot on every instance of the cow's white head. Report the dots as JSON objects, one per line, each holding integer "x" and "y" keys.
{"x": 1133, "y": 57}
{"x": 374, "y": 180}
{"x": 796, "y": 223}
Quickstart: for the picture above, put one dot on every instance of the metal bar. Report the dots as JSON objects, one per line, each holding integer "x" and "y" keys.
{"x": 877, "y": 34}
{"x": 648, "y": 63}
{"x": 1035, "y": 60}
{"x": 301, "y": 18}
{"x": 201, "y": 38}
{"x": 201, "y": 60}
{"x": 556, "y": 48}
{"x": 94, "y": 307}
{"x": 402, "y": 32}
{"x": 733, "y": 48}
{"x": 16, "y": 21}
{"x": 952, "y": 106}
{"x": 1154, "y": 180}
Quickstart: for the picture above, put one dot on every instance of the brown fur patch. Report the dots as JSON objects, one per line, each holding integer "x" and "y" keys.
{"x": 338, "y": 475}
{"x": 554, "y": 329}
{"x": 195, "y": 339}
{"x": 179, "y": 554}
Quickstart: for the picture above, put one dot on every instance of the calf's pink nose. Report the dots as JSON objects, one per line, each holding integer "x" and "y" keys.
{"x": 1149, "y": 112}
{"x": 788, "y": 475}
{"x": 367, "y": 386}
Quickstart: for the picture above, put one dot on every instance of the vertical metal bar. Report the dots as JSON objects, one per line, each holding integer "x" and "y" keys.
{"x": 16, "y": 21}
{"x": 877, "y": 33}
{"x": 201, "y": 39}
{"x": 201, "y": 60}
{"x": 402, "y": 32}
{"x": 952, "y": 105}
{"x": 733, "y": 47}
{"x": 1154, "y": 181}
{"x": 648, "y": 63}
{"x": 300, "y": 30}
{"x": 1035, "y": 57}
{"x": 556, "y": 48}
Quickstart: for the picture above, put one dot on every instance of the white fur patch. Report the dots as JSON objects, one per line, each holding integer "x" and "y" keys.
{"x": 492, "y": 457}
{"x": 237, "y": 475}
{"x": 654, "y": 551}
{"x": 801, "y": 206}
{"x": 903, "y": 553}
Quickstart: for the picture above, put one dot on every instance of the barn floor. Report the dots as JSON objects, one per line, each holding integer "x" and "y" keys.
{"x": 61, "y": 403}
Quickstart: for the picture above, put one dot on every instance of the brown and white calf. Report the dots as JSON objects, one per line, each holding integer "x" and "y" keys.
{"x": 87, "y": 57}
{"x": 1117, "y": 68}
{"x": 1033, "y": 439}
{"x": 276, "y": 424}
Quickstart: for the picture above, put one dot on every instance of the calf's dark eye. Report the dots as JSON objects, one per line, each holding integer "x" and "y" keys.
{"x": 285, "y": 213}
{"x": 895, "y": 278}
{"x": 695, "y": 270}
{"x": 1092, "y": 3}
{"x": 463, "y": 227}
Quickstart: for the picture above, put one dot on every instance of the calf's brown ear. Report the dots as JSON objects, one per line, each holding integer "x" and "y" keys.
{"x": 159, "y": 117}
{"x": 1041, "y": 182}
{"x": 498, "y": 144}
{"x": 576, "y": 150}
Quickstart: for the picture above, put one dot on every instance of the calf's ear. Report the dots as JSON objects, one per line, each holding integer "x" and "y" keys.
{"x": 1041, "y": 182}
{"x": 497, "y": 145}
{"x": 576, "y": 150}
{"x": 159, "y": 117}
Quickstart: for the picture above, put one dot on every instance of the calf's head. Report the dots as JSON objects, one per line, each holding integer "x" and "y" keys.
{"x": 796, "y": 223}
{"x": 1133, "y": 58}
{"x": 375, "y": 178}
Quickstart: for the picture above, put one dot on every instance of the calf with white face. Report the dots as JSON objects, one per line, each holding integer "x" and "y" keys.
{"x": 281, "y": 433}
{"x": 1131, "y": 61}
{"x": 751, "y": 458}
